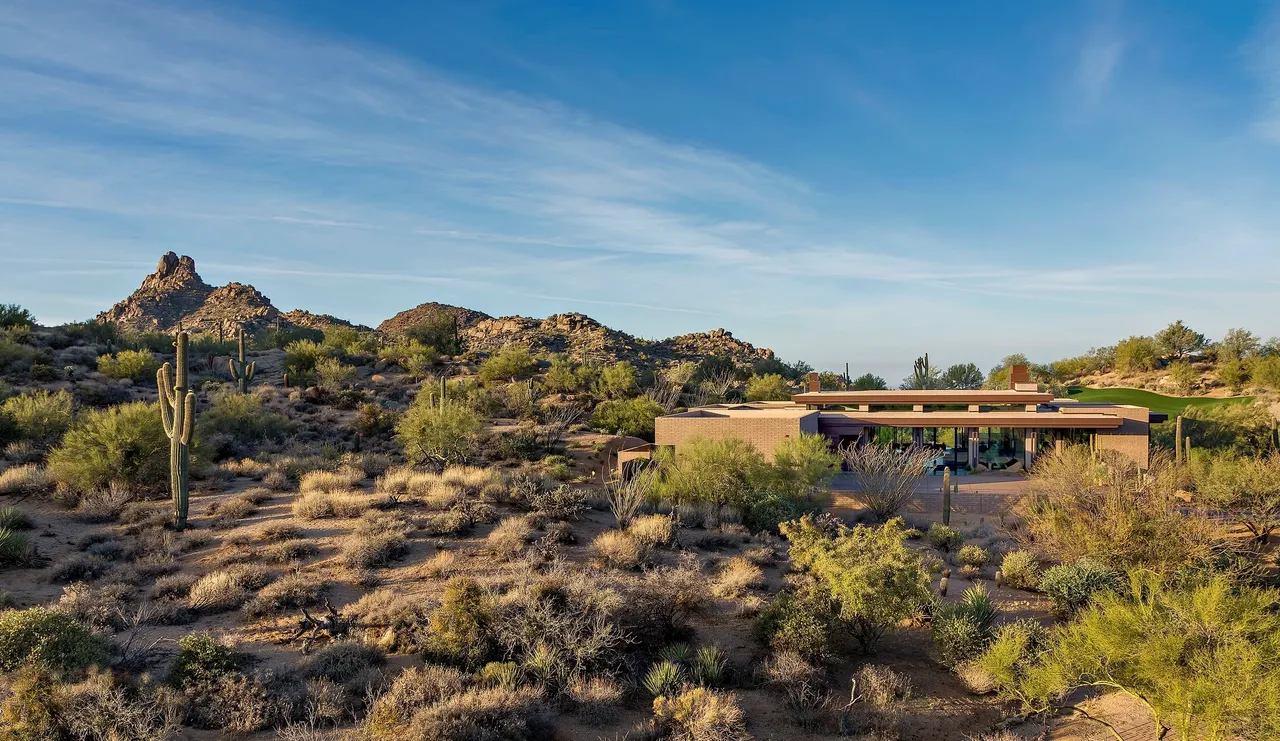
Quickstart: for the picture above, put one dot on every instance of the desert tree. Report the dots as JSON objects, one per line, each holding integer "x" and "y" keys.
{"x": 886, "y": 478}
{"x": 1238, "y": 344}
{"x": 1178, "y": 340}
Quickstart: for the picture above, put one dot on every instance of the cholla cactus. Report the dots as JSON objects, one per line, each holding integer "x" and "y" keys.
{"x": 177, "y": 413}
{"x": 242, "y": 372}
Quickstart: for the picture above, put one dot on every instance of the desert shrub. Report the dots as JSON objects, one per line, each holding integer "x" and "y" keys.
{"x": 1016, "y": 649}
{"x": 944, "y": 538}
{"x": 618, "y": 381}
{"x": 348, "y": 663}
{"x": 702, "y": 715}
{"x": 102, "y": 505}
{"x": 1020, "y": 570}
{"x": 125, "y": 445}
{"x": 1072, "y": 586}
{"x": 26, "y": 479}
{"x": 457, "y": 632}
{"x": 797, "y": 622}
{"x": 769, "y": 387}
{"x": 633, "y": 416}
{"x": 1136, "y": 354}
{"x": 374, "y": 550}
{"x": 173, "y": 586}
{"x": 243, "y": 418}
{"x": 440, "y": 565}
{"x": 446, "y": 523}
{"x": 973, "y": 555}
{"x": 13, "y": 316}
{"x": 101, "y": 709}
{"x": 1199, "y": 658}
{"x": 136, "y": 365}
{"x": 302, "y": 356}
{"x": 373, "y": 421}
{"x": 511, "y": 364}
{"x": 803, "y": 467}
{"x": 219, "y": 591}
{"x": 737, "y": 577}
{"x": 881, "y": 686}
{"x": 413, "y": 689}
{"x": 618, "y": 549}
{"x": 508, "y": 540}
{"x": 596, "y": 699}
{"x": 289, "y": 592}
{"x": 869, "y": 572}
{"x": 293, "y": 549}
{"x": 1246, "y": 487}
{"x": 1113, "y": 512}
{"x": 343, "y": 479}
{"x": 41, "y": 417}
{"x": 50, "y": 639}
{"x": 885, "y": 478}
{"x": 78, "y": 567}
{"x": 234, "y": 509}
{"x": 332, "y": 373}
{"x": 317, "y": 505}
{"x": 562, "y": 503}
{"x": 440, "y": 435}
{"x": 203, "y": 654}
{"x": 962, "y": 630}
{"x": 653, "y": 531}
{"x": 484, "y": 714}
{"x": 721, "y": 473}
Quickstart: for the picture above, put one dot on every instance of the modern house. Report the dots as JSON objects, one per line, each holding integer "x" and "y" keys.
{"x": 975, "y": 430}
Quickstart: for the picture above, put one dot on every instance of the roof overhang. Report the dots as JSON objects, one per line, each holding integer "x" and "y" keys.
{"x": 931, "y": 397}
{"x": 972, "y": 419}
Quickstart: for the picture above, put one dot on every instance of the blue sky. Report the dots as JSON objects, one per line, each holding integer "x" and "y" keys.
{"x": 841, "y": 182}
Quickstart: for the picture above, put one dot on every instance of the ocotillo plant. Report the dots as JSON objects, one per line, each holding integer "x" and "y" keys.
{"x": 177, "y": 413}
{"x": 946, "y": 496}
{"x": 1177, "y": 440}
{"x": 240, "y": 371}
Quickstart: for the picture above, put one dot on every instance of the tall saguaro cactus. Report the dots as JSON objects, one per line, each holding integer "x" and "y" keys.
{"x": 1177, "y": 441}
{"x": 177, "y": 413}
{"x": 946, "y": 496}
{"x": 242, "y": 372}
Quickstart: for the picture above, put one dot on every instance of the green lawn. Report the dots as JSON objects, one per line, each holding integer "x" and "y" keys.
{"x": 1170, "y": 405}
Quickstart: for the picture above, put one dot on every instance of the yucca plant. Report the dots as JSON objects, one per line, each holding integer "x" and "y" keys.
{"x": 708, "y": 666}
{"x": 504, "y": 674}
{"x": 664, "y": 679}
{"x": 11, "y": 518}
{"x": 15, "y": 549}
{"x": 677, "y": 653}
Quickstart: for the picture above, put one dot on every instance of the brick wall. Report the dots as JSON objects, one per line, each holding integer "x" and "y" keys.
{"x": 765, "y": 433}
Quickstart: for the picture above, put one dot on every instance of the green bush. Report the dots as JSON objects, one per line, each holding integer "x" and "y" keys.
{"x": 458, "y": 629}
{"x": 332, "y": 373}
{"x": 944, "y": 538}
{"x": 13, "y": 316}
{"x": 301, "y": 356}
{"x": 40, "y": 416}
{"x": 441, "y": 435}
{"x": 201, "y": 656}
{"x": 138, "y": 365}
{"x": 282, "y": 338}
{"x": 1137, "y": 354}
{"x": 1072, "y": 586}
{"x": 1020, "y": 570}
{"x": 973, "y": 555}
{"x": 962, "y": 630}
{"x": 872, "y": 575}
{"x": 770, "y": 387}
{"x": 439, "y": 330}
{"x": 562, "y": 377}
{"x": 511, "y": 364}
{"x": 47, "y": 638}
{"x": 1016, "y": 649}
{"x": 618, "y": 381}
{"x": 629, "y": 416}
{"x": 125, "y": 445}
{"x": 800, "y": 622}
{"x": 243, "y": 417}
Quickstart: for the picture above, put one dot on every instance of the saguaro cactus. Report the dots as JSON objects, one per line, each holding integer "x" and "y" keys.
{"x": 444, "y": 390}
{"x": 1177, "y": 440}
{"x": 946, "y": 496}
{"x": 177, "y": 413}
{"x": 242, "y": 372}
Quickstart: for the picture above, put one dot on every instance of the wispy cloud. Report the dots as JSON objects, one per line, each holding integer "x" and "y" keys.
{"x": 1263, "y": 54}
{"x": 264, "y": 150}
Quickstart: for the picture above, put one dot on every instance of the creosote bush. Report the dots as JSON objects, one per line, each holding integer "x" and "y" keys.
{"x": 51, "y": 639}
{"x": 1021, "y": 570}
{"x": 125, "y": 445}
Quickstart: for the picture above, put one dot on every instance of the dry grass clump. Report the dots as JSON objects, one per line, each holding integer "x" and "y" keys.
{"x": 653, "y": 531}
{"x": 373, "y": 464}
{"x": 246, "y": 467}
{"x": 445, "y": 524}
{"x": 173, "y": 586}
{"x": 509, "y": 538}
{"x": 618, "y": 549}
{"x": 276, "y": 480}
{"x": 374, "y": 550}
{"x": 483, "y": 714}
{"x": 101, "y": 608}
{"x": 596, "y": 699}
{"x": 317, "y": 505}
{"x": 342, "y": 479}
{"x": 231, "y": 511}
{"x": 412, "y": 690}
{"x": 702, "y": 715}
{"x": 737, "y": 577}
{"x": 104, "y": 505}
{"x": 440, "y": 490}
{"x": 219, "y": 591}
{"x": 278, "y": 530}
{"x": 25, "y": 479}
{"x": 289, "y": 592}
{"x": 287, "y": 551}
{"x": 441, "y": 565}
{"x": 402, "y": 619}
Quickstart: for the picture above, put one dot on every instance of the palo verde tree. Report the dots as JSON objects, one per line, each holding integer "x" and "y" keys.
{"x": 178, "y": 413}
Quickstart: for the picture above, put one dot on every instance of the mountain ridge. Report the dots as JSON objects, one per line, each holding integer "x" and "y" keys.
{"x": 176, "y": 296}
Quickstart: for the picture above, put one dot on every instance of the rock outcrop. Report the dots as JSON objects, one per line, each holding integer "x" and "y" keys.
{"x": 397, "y": 325}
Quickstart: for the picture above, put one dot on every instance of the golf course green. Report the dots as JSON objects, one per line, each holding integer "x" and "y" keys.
{"x": 1171, "y": 405}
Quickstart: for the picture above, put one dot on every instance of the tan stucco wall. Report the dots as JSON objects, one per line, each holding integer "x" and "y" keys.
{"x": 1132, "y": 437}
{"x": 765, "y": 433}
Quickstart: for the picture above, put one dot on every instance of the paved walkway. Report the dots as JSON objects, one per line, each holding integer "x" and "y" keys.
{"x": 979, "y": 495}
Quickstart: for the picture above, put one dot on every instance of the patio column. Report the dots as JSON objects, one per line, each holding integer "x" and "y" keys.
{"x": 1029, "y": 453}
{"x": 973, "y": 448}
{"x": 917, "y": 436}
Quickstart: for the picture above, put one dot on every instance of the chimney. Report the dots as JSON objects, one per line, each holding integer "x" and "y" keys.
{"x": 815, "y": 385}
{"x": 1018, "y": 375}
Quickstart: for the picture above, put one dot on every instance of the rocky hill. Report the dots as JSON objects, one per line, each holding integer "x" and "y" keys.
{"x": 176, "y": 295}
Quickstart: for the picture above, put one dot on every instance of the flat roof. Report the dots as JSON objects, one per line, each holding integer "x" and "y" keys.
{"x": 974, "y": 419}
{"x": 924, "y": 396}
{"x": 722, "y": 412}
